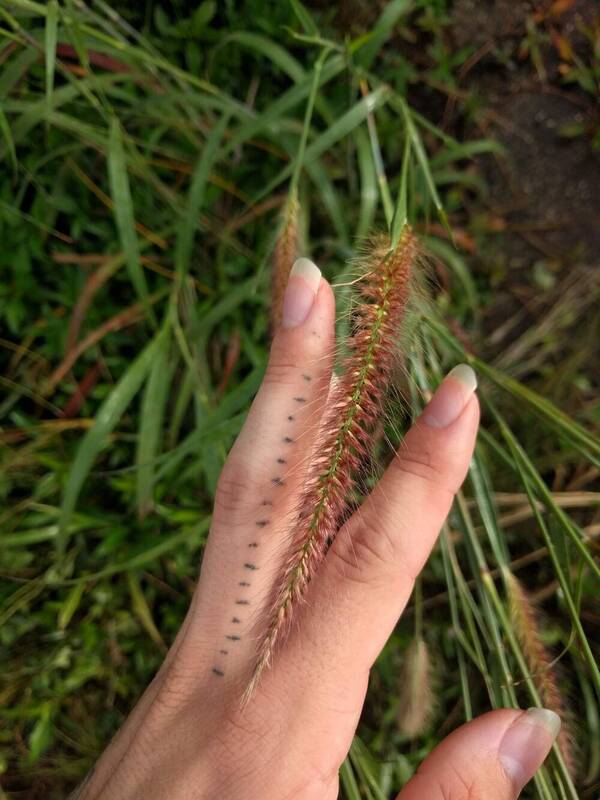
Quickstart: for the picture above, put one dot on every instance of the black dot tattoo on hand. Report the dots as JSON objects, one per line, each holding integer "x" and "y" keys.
{"x": 290, "y": 417}
{"x": 281, "y": 461}
{"x": 243, "y": 583}
{"x": 278, "y": 481}
{"x": 300, "y": 399}
{"x": 288, "y": 439}
{"x": 253, "y": 544}
{"x": 248, "y": 565}
{"x": 242, "y": 602}
{"x": 307, "y": 378}
{"x": 233, "y": 638}
{"x": 218, "y": 672}
{"x": 262, "y": 523}
{"x": 236, "y": 620}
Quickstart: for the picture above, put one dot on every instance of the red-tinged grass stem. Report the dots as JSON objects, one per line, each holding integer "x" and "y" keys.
{"x": 383, "y": 296}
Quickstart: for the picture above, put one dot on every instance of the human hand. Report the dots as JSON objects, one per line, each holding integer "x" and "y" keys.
{"x": 189, "y": 736}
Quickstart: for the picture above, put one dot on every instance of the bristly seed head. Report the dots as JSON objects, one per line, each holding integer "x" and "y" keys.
{"x": 383, "y": 296}
{"x": 284, "y": 255}
{"x": 526, "y": 622}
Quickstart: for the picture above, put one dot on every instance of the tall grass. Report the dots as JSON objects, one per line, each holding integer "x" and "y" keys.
{"x": 147, "y": 163}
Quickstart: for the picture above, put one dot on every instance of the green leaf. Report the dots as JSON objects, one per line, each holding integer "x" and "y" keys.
{"x": 121, "y": 195}
{"x": 304, "y": 17}
{"x": 70, "y": 606}
{"x": 151, "y": 421}
{"x": 466, "y": 295}
{"x": 150, "y": 554}
{"x": 282, "y": 105}
{"x": 42, "y": 735}
{"x": 269, "y": 49}
{"x": 50, "y": 35}
{"x": 96, "y": 437}
{"x": 197, "y": 196}
{"x": 368, "y": 184}
{"x": 421, "y": 155}
{"x": 142, "y": 610}
{"x": 400, "y": 218}
{"x": 341, "y": 128}
{"x": 383, "y": 29}
{"x": 5, "y": 131}
{"x": 202, "y": 16}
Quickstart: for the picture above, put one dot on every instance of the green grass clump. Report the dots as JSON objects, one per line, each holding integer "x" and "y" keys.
{"x": 147, "y": 156}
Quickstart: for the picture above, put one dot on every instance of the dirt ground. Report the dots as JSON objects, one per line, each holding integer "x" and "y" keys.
{"x": 548, "y": 187}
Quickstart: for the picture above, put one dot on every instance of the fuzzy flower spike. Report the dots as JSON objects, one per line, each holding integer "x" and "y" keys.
{"x": 383, "y": 296}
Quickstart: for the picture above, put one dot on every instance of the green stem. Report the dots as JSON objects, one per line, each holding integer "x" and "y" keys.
{"x": 307, "y": 120}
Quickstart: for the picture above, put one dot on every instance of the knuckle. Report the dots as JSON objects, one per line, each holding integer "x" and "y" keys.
{"x": 234, "y": 488}
{"x": 433, "y": 471}
{"x": 367, "y": 554}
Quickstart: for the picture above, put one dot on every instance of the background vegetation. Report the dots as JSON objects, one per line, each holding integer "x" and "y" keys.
{"x": 147, "y": 151}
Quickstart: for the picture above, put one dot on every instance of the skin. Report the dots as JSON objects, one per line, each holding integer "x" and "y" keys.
{"x": 189, "y": 738}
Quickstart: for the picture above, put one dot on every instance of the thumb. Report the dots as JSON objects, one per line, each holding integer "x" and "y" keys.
{"x": 492, "y": 757}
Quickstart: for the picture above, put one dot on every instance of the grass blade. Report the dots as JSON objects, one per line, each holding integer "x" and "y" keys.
{"x": 95, "y": 439}
{"x": 142, "y": 610}
{"x": 400, "y": 218}
{"x": 305, "y": 19}
{"x": 269, "y": 49}
{"x": 392, "y": 11}
{"x": 50, "y": 35}
{"x": 196, "y": 197}
{"x": 121, "y": 195}
{"x": 10, "y": 145}
{"x": 341, "y": 128}
{"x": 151, "y": 422}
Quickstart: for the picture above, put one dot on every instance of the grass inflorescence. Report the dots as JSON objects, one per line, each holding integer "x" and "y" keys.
{"x": 382, "y": 298}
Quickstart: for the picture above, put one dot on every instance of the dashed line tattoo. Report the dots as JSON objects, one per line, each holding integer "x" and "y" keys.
{"x": 307, "y": 378}
{"x": 236, "y": 620}
{"x": 242, "y": 602}
{"x": 262, "y": 523}
{"x": 288, "y": 439}
{"x": 300, "y": 399}
{"x": 218, "y": 672}
{"x": 248, "y": 565}
{"x": 233, "y": 638}
{"x": 278, "y": 481}
{"x": 281, "y": 461}
{"x": 253, "y": 544}
{"x": 243, "y": 583}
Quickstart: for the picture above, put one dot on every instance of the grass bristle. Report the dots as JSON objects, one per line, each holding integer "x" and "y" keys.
{"x": 526, "y": 621}
{"x": 383, "y": 294}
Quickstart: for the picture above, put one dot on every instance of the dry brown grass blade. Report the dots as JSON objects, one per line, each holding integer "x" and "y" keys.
{"x": 129, "y": 316}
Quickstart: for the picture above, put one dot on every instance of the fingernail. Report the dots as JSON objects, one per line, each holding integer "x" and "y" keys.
{"x": 451, "y": 397}
{"x": 527, "y": 742}
{"x": 300, "y": 292}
